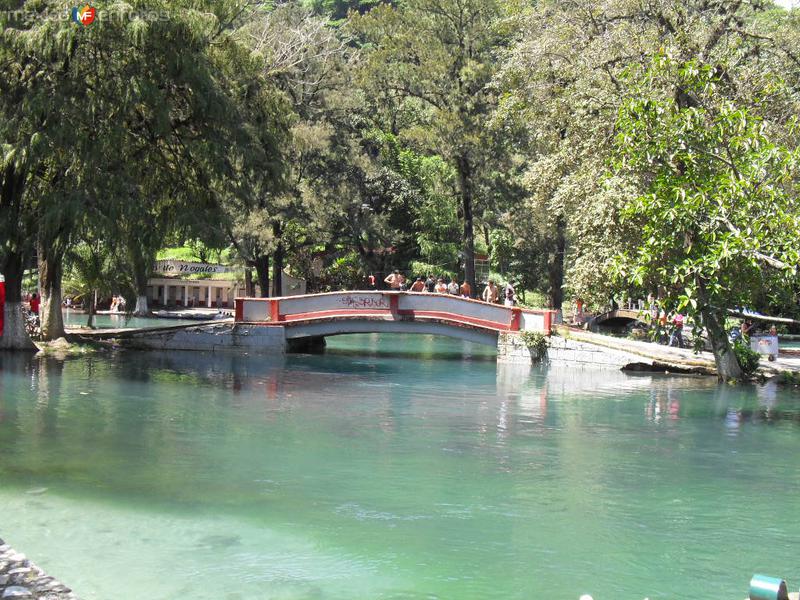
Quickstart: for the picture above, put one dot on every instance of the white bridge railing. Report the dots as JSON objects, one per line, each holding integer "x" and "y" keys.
{"x": 387, "y": 305}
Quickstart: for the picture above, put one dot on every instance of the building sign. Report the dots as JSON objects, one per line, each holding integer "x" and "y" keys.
{"x": 180, "y": 267}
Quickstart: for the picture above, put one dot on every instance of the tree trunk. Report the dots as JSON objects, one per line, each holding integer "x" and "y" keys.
{"x": 465, "y": 187}
{"x": 50, "y": 274}
{"x": 141, "y": 264}
{"x": 555, "y": 268}
{"x": 277, "y": 261}
{"x": 92, "y": 304}
{"x": 142, "y": 308}
{"x": 248, "y": 283}
{"x": 727, "y": 364}
{"x": 262, "y": 273}
{"x": 15, "y": 336}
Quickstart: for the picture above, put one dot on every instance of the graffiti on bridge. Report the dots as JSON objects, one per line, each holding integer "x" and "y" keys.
{"x": 364, "y": 301}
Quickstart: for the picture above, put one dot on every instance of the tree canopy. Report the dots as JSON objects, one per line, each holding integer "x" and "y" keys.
{"x": 588, "y": 148}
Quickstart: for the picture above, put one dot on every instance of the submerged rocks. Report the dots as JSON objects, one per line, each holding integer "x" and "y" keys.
{"x": 19, "y": 578}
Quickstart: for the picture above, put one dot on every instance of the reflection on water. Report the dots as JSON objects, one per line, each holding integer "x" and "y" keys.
{"x": 376, "y": 475}
{"x": 73, "y": 319}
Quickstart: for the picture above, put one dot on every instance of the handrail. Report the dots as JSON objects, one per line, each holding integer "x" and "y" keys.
{"x": 396, "y": 305}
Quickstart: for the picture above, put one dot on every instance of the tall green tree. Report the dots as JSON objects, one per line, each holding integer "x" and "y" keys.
{"x": 564, "y": 83}
{"x": 436, "y": 59}
{"x": 720, "y": 206}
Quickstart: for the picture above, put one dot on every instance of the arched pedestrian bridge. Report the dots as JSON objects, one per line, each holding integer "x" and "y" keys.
{"x": 620, "y": 317}
{"x": 338, "y": 313}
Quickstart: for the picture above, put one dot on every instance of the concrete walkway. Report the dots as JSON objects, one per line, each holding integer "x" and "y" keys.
{"x": 678, "y": 358}
{"x": 128, "y": 332}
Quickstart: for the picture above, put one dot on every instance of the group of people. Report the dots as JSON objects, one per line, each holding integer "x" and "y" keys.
{"x": 398, "y": 282}
{"x": 660, "y": 319}
{"x": 491, "y": 293}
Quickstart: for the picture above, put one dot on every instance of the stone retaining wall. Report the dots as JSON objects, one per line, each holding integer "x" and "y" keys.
{"x": 567, "y": 351}
{"x": 212, "y": 338}
{"x": 511, "y": 348}
{"x": 606, "y": 353}
{"x": 20, "y": 578}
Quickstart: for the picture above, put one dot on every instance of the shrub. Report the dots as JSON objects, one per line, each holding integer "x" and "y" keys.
{"x": 747, "y": 357}
{"x": 537, "y": 344}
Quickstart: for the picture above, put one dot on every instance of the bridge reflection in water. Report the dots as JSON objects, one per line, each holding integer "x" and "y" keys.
{"x": 337, "y": 313}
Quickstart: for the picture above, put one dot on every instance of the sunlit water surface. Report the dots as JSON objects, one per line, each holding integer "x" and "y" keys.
{"x": 393, "y": 468}
{"x": 121, "y": 321}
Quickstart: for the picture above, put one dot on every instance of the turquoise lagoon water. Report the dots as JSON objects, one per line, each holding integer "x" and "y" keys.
{"x": 392, "y": 468}
{"x": 80, "y": 319}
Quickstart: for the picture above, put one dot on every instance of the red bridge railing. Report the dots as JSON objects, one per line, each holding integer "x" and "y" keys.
{"x": 387, "y": 305}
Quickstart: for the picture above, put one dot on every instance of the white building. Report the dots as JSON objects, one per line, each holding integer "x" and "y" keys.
{"x": 176, "y": 284}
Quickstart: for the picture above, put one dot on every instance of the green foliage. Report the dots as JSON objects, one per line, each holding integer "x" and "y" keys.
{"x": 747, "y": 357}
{"x": 422, "y": 269}
{"x": 718, "y": 223}
{"x": 345, "y": 273}
{"x": 789, "y": 378}
{"x": 537, "y": 344}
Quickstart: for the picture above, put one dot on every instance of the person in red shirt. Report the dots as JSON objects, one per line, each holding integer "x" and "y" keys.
{"x": 677, "y": 331}
{"x": 35, "y": 303}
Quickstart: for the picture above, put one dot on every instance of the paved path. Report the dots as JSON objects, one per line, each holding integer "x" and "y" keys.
{"x": 79, "y": 334}
{"x": 679, "y": 357}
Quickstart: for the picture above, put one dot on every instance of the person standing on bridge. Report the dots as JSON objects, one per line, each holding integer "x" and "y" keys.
{"x": 452, "y": 287}
{"x": 466, "y": 290}
{"x": 490, "y": 293}
{"x": 509, "y": 296}
{"x": 418, "y": 285}
{"x": 430, "y": 284}
{"x": 441, "y": 286}
{"x": 395, "y": 280}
